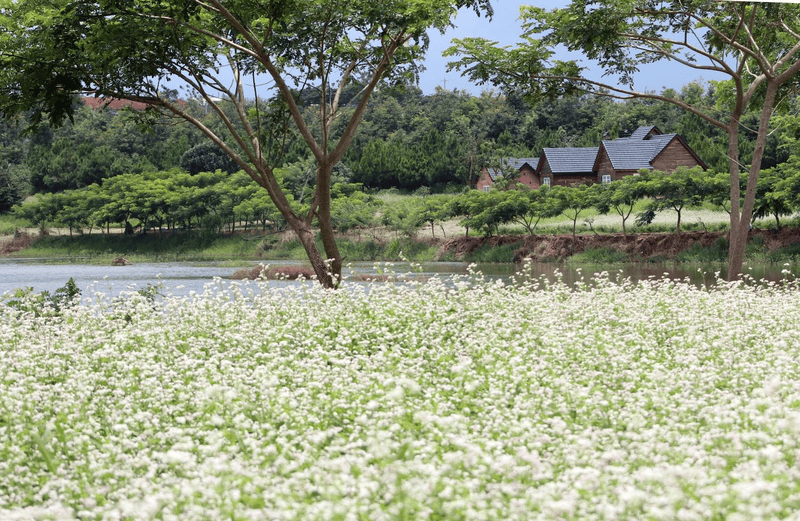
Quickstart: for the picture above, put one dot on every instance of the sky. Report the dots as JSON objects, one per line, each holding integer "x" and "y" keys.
{"x": 505, "y": 28}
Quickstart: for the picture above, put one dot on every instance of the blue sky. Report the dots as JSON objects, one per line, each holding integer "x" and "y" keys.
{"x": 505, "y": 28}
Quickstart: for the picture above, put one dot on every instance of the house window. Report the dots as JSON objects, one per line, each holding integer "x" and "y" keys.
{"x": 546, "y": 181}
{"x": 605, "y": 178}
{"x": 486, "y": 188}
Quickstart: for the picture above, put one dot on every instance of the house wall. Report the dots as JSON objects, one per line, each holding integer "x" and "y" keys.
{"x": 674, "y": 156}
{"x": 484, "y": 180}
{"x": 604, "y": 167}
{"x": 528, "y": 177}
{"x": 569, "y": 179}
{"x": 573, "y": 179}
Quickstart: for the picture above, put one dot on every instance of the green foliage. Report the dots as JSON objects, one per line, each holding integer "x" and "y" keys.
{"x": 717, "y": 252}
{"x": 620, "y": 197}
{"x": 684, "y": 188}
{"x": 24, "y": 300}
{"x": 779, "y": 191}
{"x": 352, "y": 209}
{"x": 14, "y": 185}
{"x": 599, "y": 256}
{"x": 158, "y": 200}
{"x": 570, "y": 202}
{"x": 207, "y": 157}
{"x": 494, "y": 254}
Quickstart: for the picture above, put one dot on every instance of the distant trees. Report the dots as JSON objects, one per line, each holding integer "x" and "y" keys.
{"x": 156, "y": 200}
{"x": 650, "y": 192}
{"x": 207, "y": 157}
{"x": 176, "y": 200}
{"x": 408, "y": 140}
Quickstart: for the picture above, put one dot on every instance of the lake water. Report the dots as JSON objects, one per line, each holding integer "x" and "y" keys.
{"x": 182, "y": 278}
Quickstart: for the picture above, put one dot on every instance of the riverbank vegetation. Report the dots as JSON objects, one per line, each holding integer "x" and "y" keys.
{"x": 212, "y": 216}
{"x": 453, "y": 400}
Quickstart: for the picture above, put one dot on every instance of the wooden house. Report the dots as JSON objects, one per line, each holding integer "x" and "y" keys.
{"x": 647, "y": 149}
{"x": 567, "y": 166}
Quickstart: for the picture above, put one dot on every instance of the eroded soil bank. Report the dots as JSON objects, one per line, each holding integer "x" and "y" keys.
{"x": 635, "y": 246}
{"x": 638, "y": 247}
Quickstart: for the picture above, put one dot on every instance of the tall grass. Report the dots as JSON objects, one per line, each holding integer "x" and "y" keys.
{"x": 10, "y": 224}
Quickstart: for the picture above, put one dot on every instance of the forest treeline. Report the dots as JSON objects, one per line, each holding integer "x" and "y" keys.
{"x": 166, "y": 201}
{"x": 408, "y": 140}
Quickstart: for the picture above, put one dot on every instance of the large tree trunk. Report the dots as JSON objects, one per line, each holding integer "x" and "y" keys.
{"x": 306, "y": 236}
{"x": 334, "y": 258}
{"x": 740, "y": 222}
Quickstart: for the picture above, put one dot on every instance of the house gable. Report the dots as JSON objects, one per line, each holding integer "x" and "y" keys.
{"x": 642, "y": 133}
{"x": 676, "y": 153}
{"x": 526, "y": 168}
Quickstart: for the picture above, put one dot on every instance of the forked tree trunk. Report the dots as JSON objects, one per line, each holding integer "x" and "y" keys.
{"x": 740, "y": 221}
{"x": 315, "y": 258}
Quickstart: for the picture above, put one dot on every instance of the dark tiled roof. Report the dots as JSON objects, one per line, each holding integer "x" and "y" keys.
{"x": 493, "y": 173}
{"x": 634, "y": 154}
{"x": 518, "y": 162}
{"x": 641, "y": 132}
{"x": 571, "y": 160}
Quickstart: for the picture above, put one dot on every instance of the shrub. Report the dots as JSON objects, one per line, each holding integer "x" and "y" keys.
{"x": 494, "y": 254}
{"x": 604, "y": 255}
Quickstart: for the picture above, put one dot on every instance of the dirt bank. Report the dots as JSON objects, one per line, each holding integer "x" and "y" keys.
{"x": 641, "y": 246}
{"x": 13, "y": 243}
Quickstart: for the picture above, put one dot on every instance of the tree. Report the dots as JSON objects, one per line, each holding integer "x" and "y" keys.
{"x": 14, "y": 185}
{"x": 131, "y": 49}
{"x": 620, "y": 196}
{"x": 207, "y": 157}
{"x": 571, "y": 202}
{"x": 756, "y": 45}
{"x": 780, "y": 190}
{"x": 681, "y": 189}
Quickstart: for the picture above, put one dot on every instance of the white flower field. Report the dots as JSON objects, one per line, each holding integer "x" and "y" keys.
{"x": 463, "y": 399}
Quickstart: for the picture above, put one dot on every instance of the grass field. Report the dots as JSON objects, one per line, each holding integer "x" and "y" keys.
{"x": 460, "y": 400}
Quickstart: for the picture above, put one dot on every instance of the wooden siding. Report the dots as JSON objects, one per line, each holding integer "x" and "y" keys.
{"x": 673, "y": 156}
{"x": 572, "y": 179}
{"x": 604, "y": 167}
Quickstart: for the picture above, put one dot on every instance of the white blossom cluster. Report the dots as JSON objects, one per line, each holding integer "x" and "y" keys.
{"x": 462, "y": 399}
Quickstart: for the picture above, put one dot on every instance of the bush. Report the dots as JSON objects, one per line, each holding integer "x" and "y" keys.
{"x": 207, "y": 157}
{"x": 605, "y": 255}
{"x": 717, "y": 252}
{"x": 495, "y": 254}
